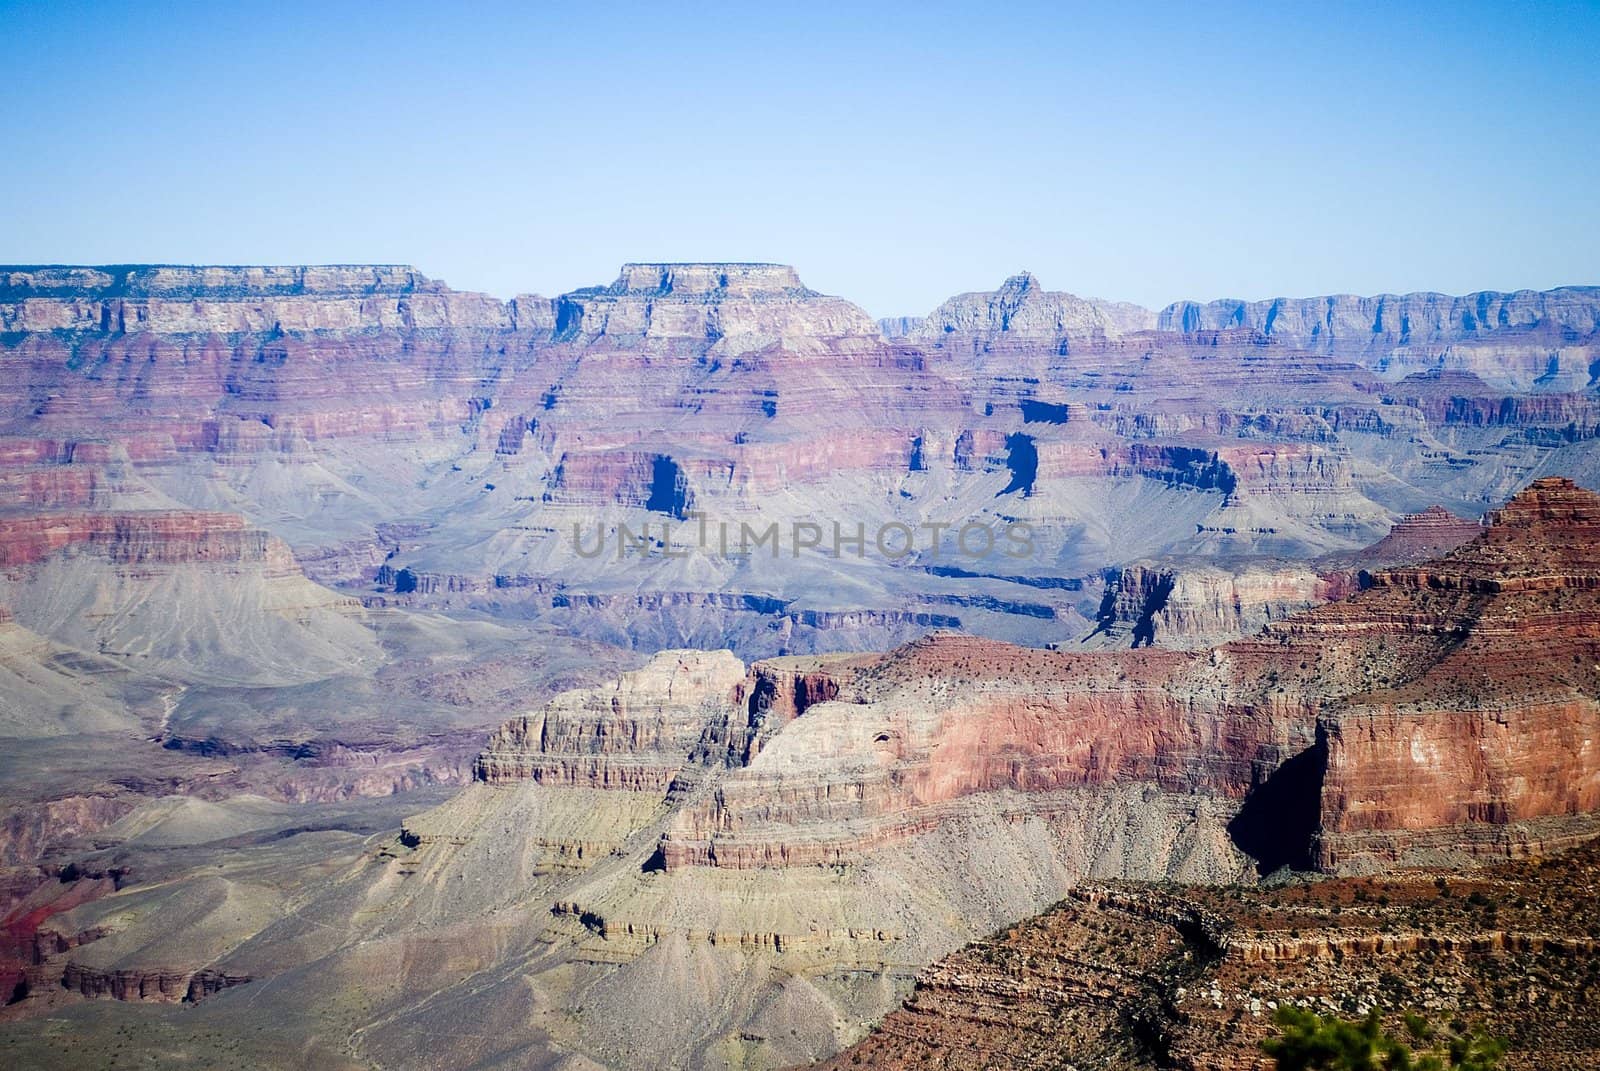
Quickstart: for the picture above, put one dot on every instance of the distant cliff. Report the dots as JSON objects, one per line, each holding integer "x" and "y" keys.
{"x": 1524, "y": 340}
{"x": 1394, "y": 319}
{"x": 1023, "y": 311}
{"x": 170, "y": 299}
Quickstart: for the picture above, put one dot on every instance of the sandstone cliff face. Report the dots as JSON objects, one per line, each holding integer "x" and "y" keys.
{"x": 1466, "y": 399}
{"x": 164, "y": 987}
{"x": 895, "y": 327}
{"x": 1465, "y": 676}
{"x": 1525, "y": 339}
{"x": 169, "y": 537}
{"x": 1393, "y": 319}
{"x": 970, "y": 724}
{"x": 1022, "y": 311}
{"x": 830, "y": 758}
{"x": 196, "y": 300}
{"x": 1191, "y": 605}
{"x": 1499, "y": 731}
{"x": 721, "y": 309}
{"x": 1119, "y": 975}
{"x": 635, "y": 734}
{"x": 1187, "y": 604}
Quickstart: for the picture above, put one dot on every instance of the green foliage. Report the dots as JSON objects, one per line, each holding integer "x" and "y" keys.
{"x": 1312, "y": 1042}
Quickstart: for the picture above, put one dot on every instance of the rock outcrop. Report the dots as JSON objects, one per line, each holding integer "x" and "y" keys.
{"x": 171, "y": 299}
{"x": 720, "y": 309}
{"x": 1117, "y": 975}
{"x": 1395, "y": 319}
{"x": 894, "y": 327}
{"x": 635, "y": 734}
{"x": 1370, "y": 696}
{"x": 1498, "y": 728}
{"x": 1022, "y": 312}
{"x": 1526, "y": 339}
{"x": 165, "y": 987}
{"x": 168, "y": 537}
{"x": 1187, "y": 604}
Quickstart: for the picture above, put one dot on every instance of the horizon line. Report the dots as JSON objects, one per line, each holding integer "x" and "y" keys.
{"x": 411, "y": 267}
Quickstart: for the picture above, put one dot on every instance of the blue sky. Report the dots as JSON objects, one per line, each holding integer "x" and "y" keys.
{"x": 894, "y": 153}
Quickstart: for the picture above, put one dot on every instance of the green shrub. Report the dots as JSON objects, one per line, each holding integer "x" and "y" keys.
{"x": 1312, "y": 1042}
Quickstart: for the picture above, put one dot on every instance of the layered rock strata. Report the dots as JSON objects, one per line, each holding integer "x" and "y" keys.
{"x": 1522, "y": 339}
{"x": 1444, "y": 709}
{"x": 1122, "y": 976}
{"x": 432, "y": 448}
{"x": 1193, "y": 603}
{"x": 812, "y": 832}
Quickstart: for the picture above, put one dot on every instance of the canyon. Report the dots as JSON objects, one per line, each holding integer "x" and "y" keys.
{"x": 307, "y": 654}
{"x": 811, "y": 831}
{"x": 420, "y": 447}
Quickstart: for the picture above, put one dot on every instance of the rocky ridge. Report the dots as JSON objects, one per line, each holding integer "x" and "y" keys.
{"x": 292, "y": 395}
{"x": 1196, "y": 603}
{"x": 1023, "y": 311}
{"x": 904, "y": 736}
{"x": 1120, "y": 976}
{"x": 1526, "y": 338}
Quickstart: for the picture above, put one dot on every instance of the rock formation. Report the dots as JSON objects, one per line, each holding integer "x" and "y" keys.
{"x": 1525, "y": 339}
{"x": 1432, "y": 533}
{"x": 719, "y": 309}
{"x": 1023, "y": 312}
{"x": 1494, "y": 733}
{"x": 336, "y": 406}
{"x": 1118, "y": 975}
{"x": 895, "y": 327}
{"x": 1192, "y": 603}
{"x": 1188, "y": 605}
{"x": 196, "y": 594}
{"x": 634, "y": 734}
{"x": 804, "y": 821}
{"x": 311, "y": 533}
{"x": 168, "y": 299}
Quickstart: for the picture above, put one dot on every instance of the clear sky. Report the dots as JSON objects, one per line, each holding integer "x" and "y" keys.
{"x": 894, "y": 153}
